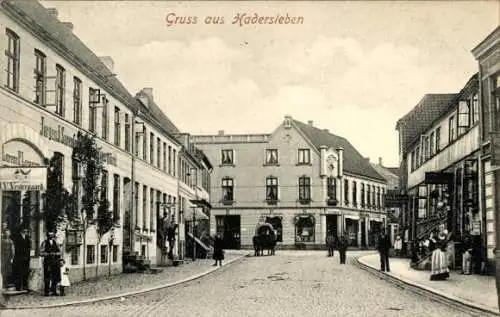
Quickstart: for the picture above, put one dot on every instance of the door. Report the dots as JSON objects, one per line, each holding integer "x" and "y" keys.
{"x": 332, "y": 224}
{"x": 363, "y": 233}
{"x": 231, "y": 231}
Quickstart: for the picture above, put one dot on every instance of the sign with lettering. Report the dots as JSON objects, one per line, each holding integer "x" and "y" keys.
{"x": 23, "y": 178}
{"x": 495, "y": 148}
{"x": 20, "y": 154}
{"x": 59, "y": 134}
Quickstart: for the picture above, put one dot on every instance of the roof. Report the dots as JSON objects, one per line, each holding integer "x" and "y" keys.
{"x": 394, "y": 170}
{"x": 37, "y": 18}
{"x": 417, "y": 121}
{"x": 392, "y": 179}
{"x": 157, "y": 113}
{"x": 353, "y": 161}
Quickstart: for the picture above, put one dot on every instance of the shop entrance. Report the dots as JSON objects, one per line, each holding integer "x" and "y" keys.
{"x": 230, "y": 227}
{"x": 352, "y": 231}
{"x": 332, "y": 224}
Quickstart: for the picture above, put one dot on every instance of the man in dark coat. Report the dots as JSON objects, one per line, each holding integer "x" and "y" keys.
{"x": 21, "y": 263}
{"x": 329, "y": 242}
{"x": 383, "y": 246}
{"x": 218, "y": 255}
{"x": 51, "y": 271}
{"x": 343, "y": 244}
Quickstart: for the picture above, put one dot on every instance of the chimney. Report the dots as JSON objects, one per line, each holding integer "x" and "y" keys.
{"x": 107, "y": 60}
{"x": 148, "y": 91}
{"x": 143, "y": 98}
{"x": 221, "y": 132}
{"x": 326, "y": 130}
{"x": 380, "y": 161}
{"x": 68, "y": 25}
{"x": 310, "y": 122}
{"x": 53, "y": 12}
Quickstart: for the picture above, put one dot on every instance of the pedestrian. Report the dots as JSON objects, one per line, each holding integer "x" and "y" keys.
{"x": 51, "y": 270}
{"x": 343, "y": 244}
{"x": 8, "y": 252}
{"x": 467, "y": 262}
{"x": 218, "y": 250}
{"x": 329, "y": 242}
{"x": 64, "y": 277}
{"x": 383, "y": 246}
{"x": 439, "y": 263}
{"x": 398, "y": 245}
{"x": 21, "y": 263}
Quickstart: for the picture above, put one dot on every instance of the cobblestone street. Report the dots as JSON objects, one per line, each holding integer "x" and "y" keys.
{"x": 291, "y": 284}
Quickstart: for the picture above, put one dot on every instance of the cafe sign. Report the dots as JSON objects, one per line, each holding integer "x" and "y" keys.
{"x": 23, "y": 178}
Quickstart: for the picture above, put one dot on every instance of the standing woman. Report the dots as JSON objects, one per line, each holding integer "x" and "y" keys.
{"x": 218, "y": 250}
{"x": 7, "y": 258}
{"x": 439, "y": 261}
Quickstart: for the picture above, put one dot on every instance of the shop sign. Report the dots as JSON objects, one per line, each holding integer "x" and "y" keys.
{"x": 438, "y": 178}
{"x": 23, "y": 178}
{"x": 58, "y": 133}
{"x": 20, "y": 154}
{"x": 495, "y": 148}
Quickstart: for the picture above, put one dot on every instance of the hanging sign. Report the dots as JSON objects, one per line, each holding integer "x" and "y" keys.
{"x": 23, "y": 178}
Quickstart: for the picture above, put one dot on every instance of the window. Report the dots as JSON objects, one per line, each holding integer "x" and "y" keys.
{"x": 152, "y": 148}
{"x": 432, "y": 142}
{"x": 304, "y": 156}
{"x": 304, "y": 228}
{"x": 40, "y": 74}
{"x": 143, "y": 250}
{"x": 383, "y": 198}
{"x": 151, "y": 208}
{"x": 451, "y": 129}
{"x": 94, "y": 97}
{"x": 362, "y": 195}
{"x": 144, "y": 144}
{"x": 463, "y": 116}
{"x": 331, "y": 190}
{"x": 77, "y": 100}
{"x": 158, "y": 152}
{"x": 105, "y": 118}
{"x": 438, "y": 139}
{"x": 475, "y": 110}
{"x": 304, "y": 189}
{"x": 137, "y": 141}
{"x": 104, "y": 254}
{"x": 426, "y": 148}
{"x": 116, "y": 197}
{"x": 169, "y": 160}
{"x": 368, "y": 196}
{"x": 165, "y": 156}
{"x": 354, "y": 194}
{"x": 117, "y": 127}
{"x": 90, "y": 254}
{"x": 174, "y": 161}
{"x": 136, "y": 203}
{"x": 227, "y": 189}
{"x": 271, "y": 156}
{"x": 60, "y": 89}
{"x": 75, "y": 256}
{"x": 12, "y": 54}
{"x": 346, "y": 191}
{"x": 413, "y": 162}
{"x": 104, "y": 184}
{"x": 418, "y": 157}
{"x": 227, "y": 157}
{"x": 378, "y": 197}
{"x": 374, "y": 200}
{"x": 144, "y": 205}
{"x": 127, "y": 133}
{"x": 115, "y": 253}
{"x": 272, "y": 189}
{"x": 422, "y": 201}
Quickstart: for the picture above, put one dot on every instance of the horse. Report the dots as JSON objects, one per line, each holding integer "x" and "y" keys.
{"x": 264, "y": 241}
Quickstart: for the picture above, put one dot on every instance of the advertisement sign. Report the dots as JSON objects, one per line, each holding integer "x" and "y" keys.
{"x": 23, "y": 178}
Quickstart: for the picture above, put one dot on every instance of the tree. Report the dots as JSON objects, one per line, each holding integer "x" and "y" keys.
{"x": 58, "y": 200}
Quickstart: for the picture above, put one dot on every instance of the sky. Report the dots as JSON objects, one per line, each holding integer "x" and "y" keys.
{"x": 354, "y": 68}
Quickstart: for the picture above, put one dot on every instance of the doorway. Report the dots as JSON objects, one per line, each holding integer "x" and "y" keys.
{"x": 332, "y": 224}
{"x": 363, "y": 234}
{"x": 230, "y": 227}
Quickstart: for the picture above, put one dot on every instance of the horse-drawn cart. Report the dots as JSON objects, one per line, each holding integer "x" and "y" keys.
{"x": 264, "y": 238}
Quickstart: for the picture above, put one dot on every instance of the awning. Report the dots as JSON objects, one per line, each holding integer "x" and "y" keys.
{"x": 201, "y": 203}
{"x": 142, "y": 235}
{"x": 198, "y": 214}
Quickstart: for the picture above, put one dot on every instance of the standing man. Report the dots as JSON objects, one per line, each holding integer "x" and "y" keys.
{"x": 384, "y": 245}
{"x": 343, "y": 244}
{"x": 21, "y": 263}
{"x": 51, "y": 271}
{"x": 329, "y": 242}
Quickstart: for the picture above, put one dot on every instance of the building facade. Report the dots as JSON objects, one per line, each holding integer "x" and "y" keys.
{"x": 301, "y": 179}
{"x": 55, "y": 87}
{"x": 439, "y": 142}
{"x": 487, "y": 53}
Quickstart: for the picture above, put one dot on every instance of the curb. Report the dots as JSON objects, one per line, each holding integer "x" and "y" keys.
{"x": 443, "y": 298}
{"x": 131, "y": 293}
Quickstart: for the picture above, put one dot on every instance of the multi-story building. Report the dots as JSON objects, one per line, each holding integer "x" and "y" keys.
{"x": 53, "y": 88}
{"x": 487, "y": 53}
{"x": 301, "y": 179}
{"x": 439, "y": 151}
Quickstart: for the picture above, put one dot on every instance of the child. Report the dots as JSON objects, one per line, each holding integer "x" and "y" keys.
{"x": 64, "y": 277}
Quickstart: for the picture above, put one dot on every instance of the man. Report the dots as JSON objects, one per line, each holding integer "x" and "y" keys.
{"x": 329, "y": 242}
{"x": 384, "y": 244}
{"x": 51, "y": 272}
{"x": 21, "y": 263}
{"x": 343, "y": 244}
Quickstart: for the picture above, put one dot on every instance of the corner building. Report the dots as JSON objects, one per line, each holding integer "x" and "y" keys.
{"x": 301, "y": 179}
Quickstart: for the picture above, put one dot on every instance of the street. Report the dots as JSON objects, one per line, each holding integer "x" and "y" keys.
{"x": 291, "y": 283}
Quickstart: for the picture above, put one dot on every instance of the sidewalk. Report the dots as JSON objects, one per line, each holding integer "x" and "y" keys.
{"x": 472, "y": 290}
{"x": 122, "y": 285}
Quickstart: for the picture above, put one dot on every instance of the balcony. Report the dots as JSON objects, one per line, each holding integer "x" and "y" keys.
{"x": 332, "y": 202}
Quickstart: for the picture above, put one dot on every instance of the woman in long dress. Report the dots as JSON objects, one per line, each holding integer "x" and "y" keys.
{"x": 218, "y": 250}
{"x": 439, "y": 262}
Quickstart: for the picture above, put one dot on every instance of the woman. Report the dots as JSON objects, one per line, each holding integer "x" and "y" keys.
{"x": 7, "y": 258}
{"x": 398, "y": 245}
{"x": 218, "y": 250}
{"x": 439, "y": 263}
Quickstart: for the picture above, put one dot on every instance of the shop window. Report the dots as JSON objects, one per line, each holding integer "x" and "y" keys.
{"x": 90, "y": 254}
{"x": 304, "y": 228}
{"x": 277, "y": 224}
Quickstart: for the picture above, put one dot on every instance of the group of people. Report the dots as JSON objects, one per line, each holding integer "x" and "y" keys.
{"x": 333, "y": 242}
{"x": 15, "y": 267}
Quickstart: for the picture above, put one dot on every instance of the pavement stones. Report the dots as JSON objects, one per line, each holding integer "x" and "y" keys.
{"x": 474, "y": 291}
{"x": 121, "y": 285}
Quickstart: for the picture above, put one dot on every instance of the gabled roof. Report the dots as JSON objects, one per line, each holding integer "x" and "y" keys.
{"x": 394, "y": 170}
{"x": 353, "y": 161}
{"x": 417, "y": 121}
{"x": 157, "y": 113}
